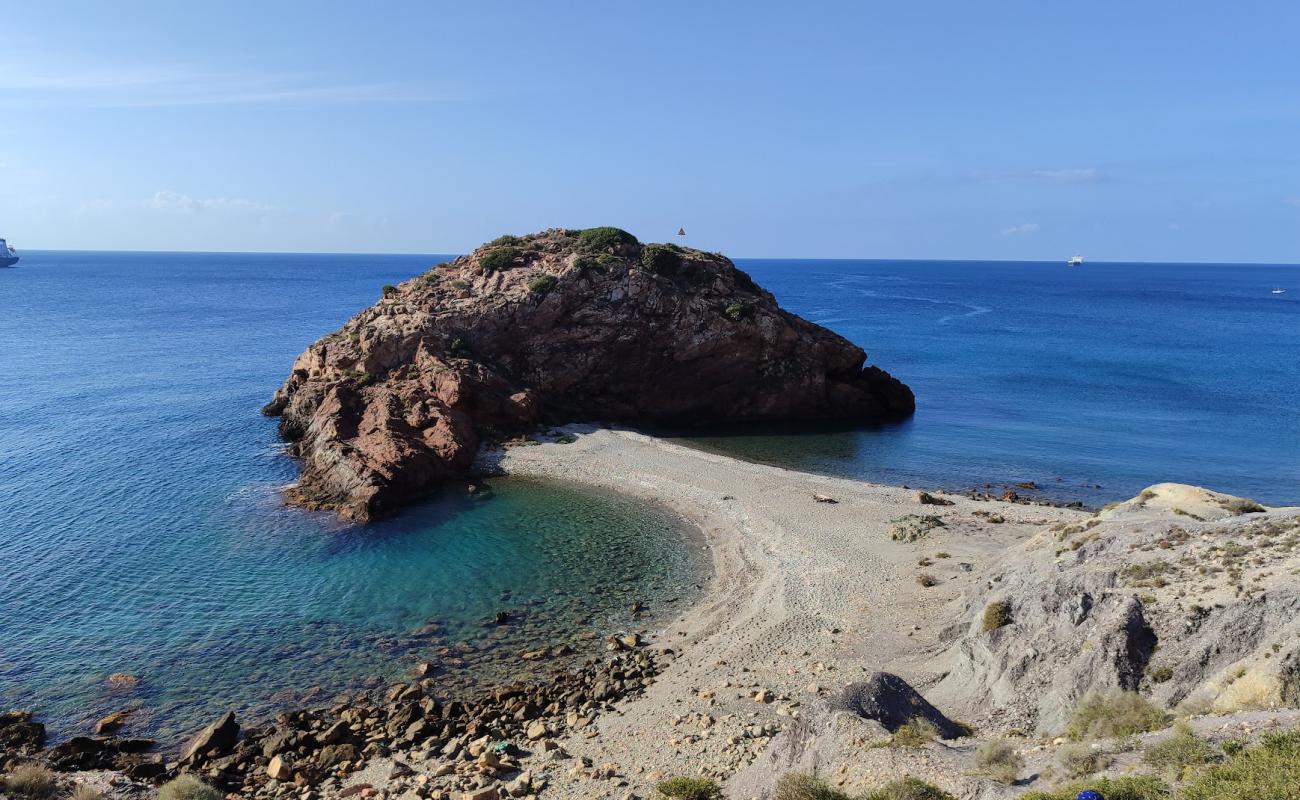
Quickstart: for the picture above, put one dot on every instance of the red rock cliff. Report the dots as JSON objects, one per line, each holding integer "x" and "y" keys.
{"x": 558, "y": 326}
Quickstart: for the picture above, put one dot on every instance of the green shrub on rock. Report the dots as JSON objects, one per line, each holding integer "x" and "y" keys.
{"x": 605, "y": 238}
{"x": 661, "y": 259}
{"x": 542, "y": 284}
{"x": 498, "y": 259}
{"x": 689, "y": 788}
{"x": 908, "y": 788}
{"x": 916, "y": 732}
{"x": 1079, "y": 760}
{"x": 739, "y": 311}
{"x": 1114, "y": 715}
{"x": 996, "y": 615}
{"x": 188, "y": 787}
{"x": 797, "y": 786}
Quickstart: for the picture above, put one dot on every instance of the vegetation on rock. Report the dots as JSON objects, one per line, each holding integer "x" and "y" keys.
{"x": 188, "y": 787}
{"x": 1114, "y": 715}
{"x": 999, "y": 760}
{"x": 996, "y": 615}
{"x": 605, "y": 238}
{"x": 30, "y": 782}
{"x": 690, "y": 788}
{"x": 499, "y": 259}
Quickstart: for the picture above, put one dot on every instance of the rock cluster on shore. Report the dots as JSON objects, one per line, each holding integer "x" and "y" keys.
{"x": 476, "y": 747}
{"x": 558, "y": 326}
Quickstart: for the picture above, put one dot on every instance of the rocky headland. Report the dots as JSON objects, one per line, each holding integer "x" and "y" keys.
{"x": 560, "y": 326}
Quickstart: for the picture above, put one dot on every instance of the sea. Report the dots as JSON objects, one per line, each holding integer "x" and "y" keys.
{"x": 147, "y": 561}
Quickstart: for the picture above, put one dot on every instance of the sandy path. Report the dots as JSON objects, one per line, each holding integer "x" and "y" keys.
{"x": 805, "y": 597}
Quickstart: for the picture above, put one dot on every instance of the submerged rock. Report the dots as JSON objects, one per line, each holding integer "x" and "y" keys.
{"x": 554, "y": 327}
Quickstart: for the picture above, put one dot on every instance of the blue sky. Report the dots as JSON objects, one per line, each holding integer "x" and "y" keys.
{"x": 1121, "y": 130}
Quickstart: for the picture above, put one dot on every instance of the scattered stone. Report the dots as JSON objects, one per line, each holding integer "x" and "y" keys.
{"x": 822, "y": 498}
{"x": 927, "y": 499}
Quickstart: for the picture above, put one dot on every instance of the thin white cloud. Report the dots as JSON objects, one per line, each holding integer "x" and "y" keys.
{"x": 1068, "y": 175}
{"x": 1021, "y": 230}
{"x": 1064, "y": 175}
{"x": 177, "y": 203}
{"x": 109, "y": 86}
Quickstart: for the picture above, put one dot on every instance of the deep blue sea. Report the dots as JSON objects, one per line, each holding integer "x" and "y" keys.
{"x": 141, "y": 529}
{"x": 1093, "y": 382}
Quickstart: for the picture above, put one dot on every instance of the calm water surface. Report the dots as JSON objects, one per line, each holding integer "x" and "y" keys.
{"x": 141, "y": 529}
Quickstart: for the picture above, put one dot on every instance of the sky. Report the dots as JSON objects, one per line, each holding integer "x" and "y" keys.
{"x": 1159, "y": 131}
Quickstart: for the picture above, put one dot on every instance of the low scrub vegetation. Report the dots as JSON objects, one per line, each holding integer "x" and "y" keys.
{"x": 498, "y": 259}
{"x": 738, "y": 311}
{"x": 1179, "y": 752}
{"x": 1268, "y": 770}
{"x": 996, "y": 615}
{"x": 908, "y": 788}
{"x": 999, "y": 760}
{"x": 661, "y": 259}
{"x": 86, "y": 792}
{"x": 605, "y": 238}
{"x": 30, "y": 782}
{"x": 1079, "y": 760}
{"x": 1135, "y": 787}
{"x": 916, "y": 732}
{"x": 1242, "y": 505}
{"x": 542, "y": 284}
{"x": 188, "y": 787}
{"x": 688, "y": 788}
{"x": 506, "y": 241}
{"x": 796, "y": 786}
{"x": 1115, "y": 715}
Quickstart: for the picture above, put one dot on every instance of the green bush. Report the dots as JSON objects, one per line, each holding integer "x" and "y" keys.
{"x": 458, "y": 346}
{"x": 661, "y": 259}
{"x": 604, "y": 238}
{"x": 188, "y": 787}
{"x": 1134, "y": 787}
{"x": 542, "y": 284}
{"x": 996, "y": 615}
{"x": 797, "y": 786}
{"x": 916, "y": 732}
{"x": 505, "y": 241}
{"x": 497, "y": 259}
{"x": 739, "y": 311}
{"x": 1266, "y": 771}
{"x": 908, "y": 788}
{"x": 30, "y": 781}
{"x": 389, "y": 289}
{"x": 999, "y": 760}
{"x": 1114, "y": 715}
{"x": 1179, "y": 751}
{"x": 430, "y": 279}
{"x": 687, "y": 788}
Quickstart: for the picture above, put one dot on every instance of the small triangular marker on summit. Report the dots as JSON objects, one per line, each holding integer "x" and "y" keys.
{"x": 681, "y": 231}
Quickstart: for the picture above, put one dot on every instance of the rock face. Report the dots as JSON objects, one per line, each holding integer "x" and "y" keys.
{"x": 1184, "y": 595}
{"x": 554, "y": 327}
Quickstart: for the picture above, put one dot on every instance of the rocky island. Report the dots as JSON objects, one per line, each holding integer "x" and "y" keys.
{"x": 559, "y": 326}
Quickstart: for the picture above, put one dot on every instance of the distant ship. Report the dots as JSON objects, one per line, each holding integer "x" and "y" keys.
{"x": 8, "y": 255}
{"x": 1074, "y": 261}
{"x": 1278, "y": 290}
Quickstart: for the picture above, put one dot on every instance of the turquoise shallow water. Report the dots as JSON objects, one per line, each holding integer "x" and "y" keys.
{"x": 141, "y": 529}
{"x": 1093, "y": 382}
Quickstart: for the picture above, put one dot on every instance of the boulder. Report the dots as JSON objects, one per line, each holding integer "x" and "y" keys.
{"x": 220, "y": 736}
{"x": 891, "y": 701}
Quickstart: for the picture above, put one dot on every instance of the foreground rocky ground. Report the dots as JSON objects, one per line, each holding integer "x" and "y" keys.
{"x": 838, "y": 612}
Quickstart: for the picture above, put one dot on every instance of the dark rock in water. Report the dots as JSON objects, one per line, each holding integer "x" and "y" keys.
{"x": 554, "y": 327}
{"x": 891, "y": 701}
{"x": 220, "y": 736}
{"x": 19, "y": 735}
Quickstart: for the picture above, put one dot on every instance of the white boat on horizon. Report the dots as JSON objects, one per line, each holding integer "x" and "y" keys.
{"x": 1278, "y": 290}
{"x": 1074, "y": 261}
{"x": 8, "y": 255}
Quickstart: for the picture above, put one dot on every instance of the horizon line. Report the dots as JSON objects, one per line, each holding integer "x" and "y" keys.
{"x": 733, "y": 258}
